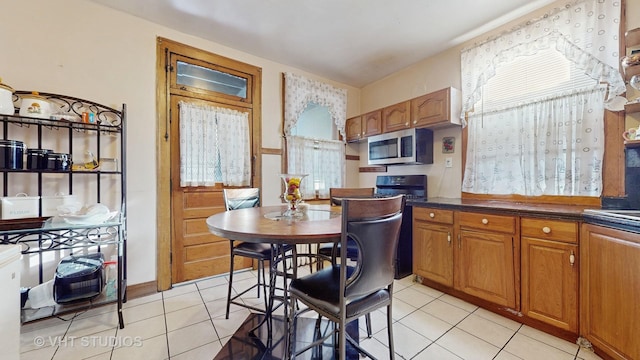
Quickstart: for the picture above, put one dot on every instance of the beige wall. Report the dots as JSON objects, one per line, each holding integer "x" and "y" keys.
{"x": 434, "y": 73}
{"x": 81, "y": 49}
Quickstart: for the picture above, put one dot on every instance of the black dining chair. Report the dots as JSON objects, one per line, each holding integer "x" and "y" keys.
{"x": 330, "y": 250}
{"x": 342, "y": 293}
{"x": 238, "y": 199}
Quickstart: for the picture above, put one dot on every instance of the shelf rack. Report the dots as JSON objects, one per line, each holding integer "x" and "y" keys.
{"x": 41, "y": 235}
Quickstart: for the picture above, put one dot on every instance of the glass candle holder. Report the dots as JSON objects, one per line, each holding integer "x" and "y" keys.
{"x": 292, "y": 193}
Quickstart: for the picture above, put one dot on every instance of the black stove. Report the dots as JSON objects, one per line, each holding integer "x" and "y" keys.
{"x": 414, "y": 187}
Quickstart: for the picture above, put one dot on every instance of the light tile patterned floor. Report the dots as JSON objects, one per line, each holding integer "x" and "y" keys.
{"x": 187, "y": 322}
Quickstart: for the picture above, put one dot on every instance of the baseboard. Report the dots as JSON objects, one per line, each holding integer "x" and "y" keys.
{"x": 142, "y": 289}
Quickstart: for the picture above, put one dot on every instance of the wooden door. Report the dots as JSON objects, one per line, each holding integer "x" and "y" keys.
{"x": 353, "y": 129}
{"x": 372, "y": 123}
{"x": 484, "y": 266}
{"x": 396, "y": 117}
{"x": 433, "y": 252}
{"x": 186, "y": 249}
{"x": 609, "y": 290}
{"x": 430, "y": 109}
{"x": 550, "y": 282}
{"x": 196, "y": 253}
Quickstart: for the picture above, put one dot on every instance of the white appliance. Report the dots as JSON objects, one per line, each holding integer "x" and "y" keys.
{"x": 10, "y": 301}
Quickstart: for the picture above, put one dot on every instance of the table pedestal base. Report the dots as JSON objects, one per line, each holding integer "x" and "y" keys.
{"x": 257, "y": 345}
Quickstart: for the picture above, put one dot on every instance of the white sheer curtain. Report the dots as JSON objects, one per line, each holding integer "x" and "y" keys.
{"x": 214, "y": 146}
{"x": 322, "y": 159}
{"x": 300, "y": 91}
{"x": 585, "y": 31}
{"x": 550, "y": 147}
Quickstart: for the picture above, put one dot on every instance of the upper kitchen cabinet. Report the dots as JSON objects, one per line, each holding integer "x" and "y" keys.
{"x": 396, "y": 117}
{"x": 437, "y": 109}
{"x": 353, "y": 129}
{"x": 360, "y": 127}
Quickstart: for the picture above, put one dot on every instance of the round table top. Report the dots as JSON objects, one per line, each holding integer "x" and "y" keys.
{"x": 318, "y": 223}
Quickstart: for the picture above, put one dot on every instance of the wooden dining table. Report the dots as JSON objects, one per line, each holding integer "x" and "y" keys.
{"x": 269, "y": 224}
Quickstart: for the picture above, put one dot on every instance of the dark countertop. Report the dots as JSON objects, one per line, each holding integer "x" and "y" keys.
{"x": 549, "y": 211}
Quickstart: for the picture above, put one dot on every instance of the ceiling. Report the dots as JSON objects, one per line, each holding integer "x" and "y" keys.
{"x": 354, "y": 42}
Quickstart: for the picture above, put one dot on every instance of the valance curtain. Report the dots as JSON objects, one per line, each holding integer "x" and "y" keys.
{"x": 585, "y": 31}
{"x": 214, "y": 146}
{"x": 322, "y": 160}
{"x": 300, "y": 91}
{"x": 550, "y": 147}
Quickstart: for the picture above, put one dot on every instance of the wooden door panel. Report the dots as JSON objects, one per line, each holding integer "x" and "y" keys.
{"x": 609, "y": 291}
{"x": 486, "y": 267}
{"x": 433, "y": 252}
{"x": 396, "y": 117}
{"x": 550, "y": 282}
{"x": 205, "y": 251}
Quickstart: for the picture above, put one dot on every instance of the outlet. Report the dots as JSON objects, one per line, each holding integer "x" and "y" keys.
{"x": 448, "y": 162}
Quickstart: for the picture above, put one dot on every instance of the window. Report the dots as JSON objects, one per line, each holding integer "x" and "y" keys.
{"x": 314, "y": 114}
{"x": 535, "y": 99}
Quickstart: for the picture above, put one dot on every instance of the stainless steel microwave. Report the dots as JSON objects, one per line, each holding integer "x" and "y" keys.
{"x": 410, "y": 146}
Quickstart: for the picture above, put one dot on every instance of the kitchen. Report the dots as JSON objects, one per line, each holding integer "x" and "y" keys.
{"x": 81, "y": 56}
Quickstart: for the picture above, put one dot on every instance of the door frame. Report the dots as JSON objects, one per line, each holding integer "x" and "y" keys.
{"x": 164, "y": 225}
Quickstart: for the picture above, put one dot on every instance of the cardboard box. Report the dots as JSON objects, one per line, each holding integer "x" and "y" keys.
{"x": 19, "y": 207}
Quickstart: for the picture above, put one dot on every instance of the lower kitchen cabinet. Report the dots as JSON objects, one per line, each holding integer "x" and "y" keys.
{"x": 549, "y": 272}
{"x": 433, "y": 245}
{"x": 484, "y": 259}
{"x": 610, "y": 289}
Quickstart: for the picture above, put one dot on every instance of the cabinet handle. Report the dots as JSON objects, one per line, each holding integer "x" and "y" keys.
{"x": 572, "y": 258}
{"x": 546, "y": 230}
{"x": 432, "y": 215}
{"x": 449, "y": 238}
{"x": 406, "y": 124}
{"x": 485, "y": 221}
{"x": 415, "y": 121}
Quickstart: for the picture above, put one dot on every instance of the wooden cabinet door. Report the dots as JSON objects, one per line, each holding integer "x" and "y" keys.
{"x": 550, "y": 282}
{"x": 372, "y": 123}
{"x": 610, "y": 289}
{"x": 430, "y": 109}
{"x": 353, "y": 128}
{"x": 433, "y": 252}
{"x": 396, "y": 117}
{"x": 484, "y": 266}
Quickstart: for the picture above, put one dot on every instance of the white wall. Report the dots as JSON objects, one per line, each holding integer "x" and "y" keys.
{"x": 85, "y": 50}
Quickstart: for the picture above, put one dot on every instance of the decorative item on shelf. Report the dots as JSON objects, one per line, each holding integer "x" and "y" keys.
{"x": 293, "y": 193}
{"x": 6, "y": 99}
{"x": 631, "y": 60}
{"x": 635, "y": 83}
{"x": 36, "y": 106}
{"x": 631, "y": 134}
